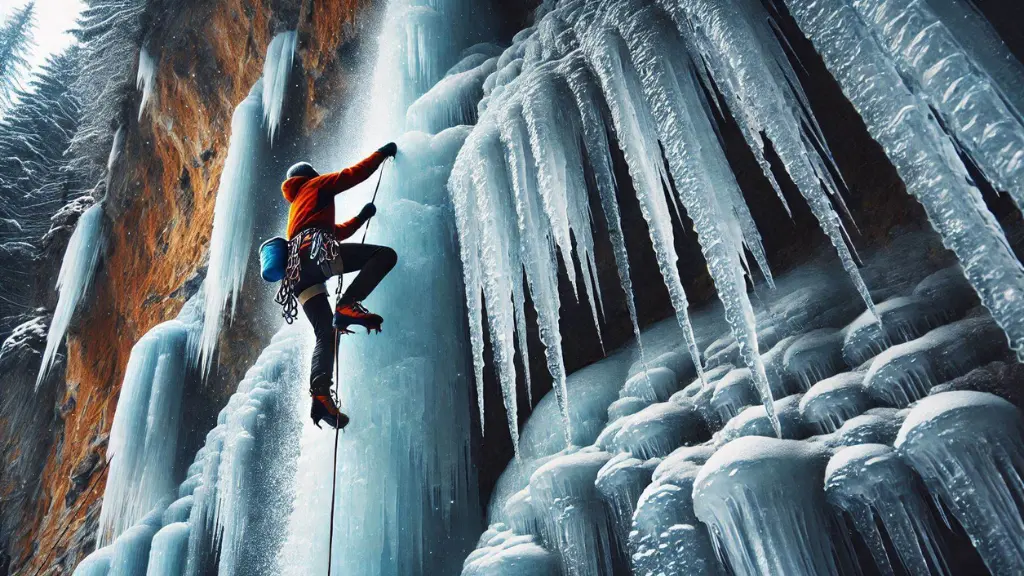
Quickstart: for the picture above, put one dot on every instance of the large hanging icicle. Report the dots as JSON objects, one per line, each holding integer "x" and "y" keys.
{"x": 744, "y": 56}
{"x": 972, "y": 105}
{"x": 76, "y": 273}
{"x": 234, "y": 217}
{"x": 690, "y": 146}
{"x": 144, "y": 434}
{"x": 923, "y": 156}
{"x": 145, "y": 80}
{"x": 276, "y": 72}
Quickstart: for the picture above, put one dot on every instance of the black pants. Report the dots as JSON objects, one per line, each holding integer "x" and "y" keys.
{"x": 372, "y": 262}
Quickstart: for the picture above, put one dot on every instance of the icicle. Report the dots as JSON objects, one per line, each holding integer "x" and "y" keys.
{"x": 146, "y": 78}
{"x": 76, "y": 273}
{"x": 744, "y": 56}
{"x": 144, "y": 434}
{"x": 873, "y": 485}
{"x": 595, "y": 128}
{"x": 972, "y": 106}
{"x": 277, "y": 69}
{"x": 452, "y": 101}
{"x": 923, "y": 155}
{"x": 637, "y": 138}
{"x": 234, "y": 218}
{"x": 969, "y": 449}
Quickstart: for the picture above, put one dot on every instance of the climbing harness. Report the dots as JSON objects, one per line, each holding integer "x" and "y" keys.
{"x": 337, "y": 378}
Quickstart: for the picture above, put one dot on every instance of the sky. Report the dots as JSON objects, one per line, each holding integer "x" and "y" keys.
{"x": 54, "y": 18}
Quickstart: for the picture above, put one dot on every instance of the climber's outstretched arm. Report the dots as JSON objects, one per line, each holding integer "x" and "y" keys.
{"x": 337, "y": 182}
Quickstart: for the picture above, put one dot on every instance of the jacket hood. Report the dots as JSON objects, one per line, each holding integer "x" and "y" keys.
{"x": 290, "y": 188}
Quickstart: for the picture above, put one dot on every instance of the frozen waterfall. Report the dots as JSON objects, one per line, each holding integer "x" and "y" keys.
{"x": 73, "y": 281}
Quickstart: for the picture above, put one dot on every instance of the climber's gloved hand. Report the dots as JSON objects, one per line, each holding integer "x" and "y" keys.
{"x": 390, "y": 149}
{"x": 368, "y": 211}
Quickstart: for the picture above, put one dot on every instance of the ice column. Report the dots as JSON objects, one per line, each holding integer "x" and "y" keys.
{"x": 146, "y": 78}
{"x": 73, "y": 281}
{"x": 969, "y": 448}
{"x": 923, "y": 155}
{"x": 144, "y": 434}
{"x": 234, "y": 217}
{"x": 276, "y": 72}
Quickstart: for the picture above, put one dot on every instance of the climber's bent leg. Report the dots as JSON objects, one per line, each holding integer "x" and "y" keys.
{"x": 317, "y": 307}
{"x": 373, "y": 263}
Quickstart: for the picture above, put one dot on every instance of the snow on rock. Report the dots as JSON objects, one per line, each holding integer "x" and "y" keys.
{"x": 653, "y": 385}
{"x": 948, "y": 291}
{"x": 815, "y": 356}
{"x": 626, "y": 406}
{"x": 575, "y": 519}
{"x": 763, "y": 501}
{"x": 833, "y": 401}
{"x": 507, "y": 554}
{"x": 733, "y": 393}
{"x": 1004, "y": 379}
{"x": 775, "y": 367}
{"x": 877, "y": 489}
{"x": 277, "y": 68}
{"x": 76, "y": 273}
{"x": 658, "y": 430}
{"x": 146, "y": 427}
{"x": 969, "y": 449}
{"x": 667, "y": 537}
{"x": 876, "y": 426}
{"x": 234, "y": 218}
{"x": 905, "y": 373}
{"x": 899, "y": 320}
{"x": 620, "y": 482}
{"x": 754, "y": 421}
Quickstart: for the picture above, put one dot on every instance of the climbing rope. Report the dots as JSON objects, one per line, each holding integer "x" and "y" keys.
{"x": 337, "y": 398}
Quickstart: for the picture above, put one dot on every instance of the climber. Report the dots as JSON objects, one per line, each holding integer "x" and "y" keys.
{"x": 316, "y": 253}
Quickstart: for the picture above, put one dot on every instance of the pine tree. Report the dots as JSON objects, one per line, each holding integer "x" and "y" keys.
{"x": 36, "y": 180}
{"x": 15, "y": 42}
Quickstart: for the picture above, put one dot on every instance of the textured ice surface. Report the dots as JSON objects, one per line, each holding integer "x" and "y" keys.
{"x": 626, "y": 406}
{"x": 145, "y": 79}
{"x": 658, "y": 430}
{"x": 452, "y": 101}
{"x": 95, "y": 564}
{"x": 905, "y": 373}
{"x": 620, "y": 482}
{"x": 575, "y": 519}
{"x": 130, "y": 553}
{"x": 168, "y": 554}
{"x": 506, "y": 554}
{"x": 948, "y": 291}
{"x": 733, "y": 393}
{"x": 899, "y": 320}
{"x": 880, "y": 493}
{"x": 763, "y": 501}
{"x": 234, "y": 218}
{"x": 754, "y": 421}
{"x": 73, "y": 280}
{"x": 653, "y": 385}
{"x": 833, "y": 401}
{"x": 904, "y": 125}
{"x": 815, "y": 356}
{"x": 969, "y": 449}
{"x": 144, "y": 434}
{"x": 277, "y": 68}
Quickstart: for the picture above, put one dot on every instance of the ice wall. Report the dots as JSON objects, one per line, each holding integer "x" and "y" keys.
{"x": 234, "y": 218}
{"x": 76, "y": 273}
{"x": 143, "y": 444}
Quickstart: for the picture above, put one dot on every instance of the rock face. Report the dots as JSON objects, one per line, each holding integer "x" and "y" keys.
{"x": 159, "y": 204}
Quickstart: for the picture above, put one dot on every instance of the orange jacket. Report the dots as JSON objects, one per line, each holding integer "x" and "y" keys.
{"x": 312, "y": 199}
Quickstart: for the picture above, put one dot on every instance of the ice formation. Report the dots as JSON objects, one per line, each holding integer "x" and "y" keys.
{"x": 277, "y": 68}
{"x": 76, "y": 273}
{"x": 905, "y": 373}
{"x": 146, "y": 78}
{"x": 969, "y": 449}
{"x": 506, "y": 554}
{"x": 833, "y": 401}
{"x": 234, "y": 217}
{"x": 877, "y": 489}
{"x": 621, "y": 482}
{"x": 815, "y": 356}
{"x": 658, "y": 429}
{"x": 901, "y": 121}
{"x": 143, "y": 442}
{"x": 762, "y": 499}
{"x": 899, "y": 320}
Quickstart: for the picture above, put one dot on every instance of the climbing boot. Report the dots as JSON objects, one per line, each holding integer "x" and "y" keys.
{"x": 353, "y": 314}
{"x": 324, "y": 409}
